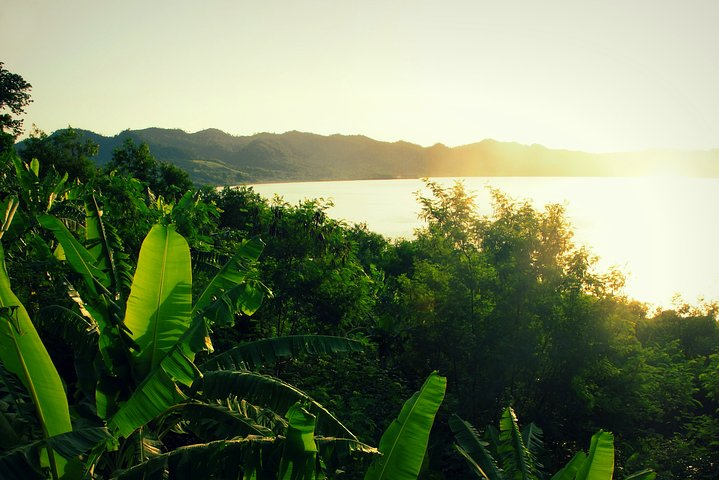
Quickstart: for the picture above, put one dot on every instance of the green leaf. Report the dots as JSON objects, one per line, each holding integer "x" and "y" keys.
{"x": 77, "y": 255}
{"x": 160, "y": 301}
{"x": 157, "y": 393}
{"x": 643, "y": 475}
{"x": 404, "y": 443}
{"x": 270, "y": 392}
{"x": 469, "y": 443}
{"x": 23, "y": 353}
{"x": 298, "y": 457}
{"x": 233, "y": 273}
{"x": 600, "y": 459}
{"x": 216, "y": 422}
{"x": 252, "y": 457}
{"x": 106, "y": 248}
{"x": 532, "y": 438}
{"x": 517, "y": 461}
{"x": 473, "y": 466}
{"x": 268, "y": 351}
{"x": 79, "y": 441}
{"x": 245, "y": 297}
{"x": 569, "y": 472}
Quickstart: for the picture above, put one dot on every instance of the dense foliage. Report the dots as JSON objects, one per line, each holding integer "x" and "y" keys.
{"x": 150, "y": 327}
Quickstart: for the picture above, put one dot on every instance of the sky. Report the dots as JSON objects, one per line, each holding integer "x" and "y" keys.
{"x": 598, "y": 76}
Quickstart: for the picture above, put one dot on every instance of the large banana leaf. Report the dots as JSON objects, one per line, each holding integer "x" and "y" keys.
{"x": 158, "y": 391}
{"x": 105, "y": 246}
{"x": 569, "y": 472}
{"x": 472, "y": 448}
{"x": 213, "y": 421}
{"x": 532, "y": 438}
{"x": 160, "y": 301}
{"x": 404, "y": 443}
{"x": 599, "y": 464}
{"x": 76, "y": 254}
{"x": 23, "y": 353}
{"x": 156, "y": 394}
{"x": 270, "y": 392}
{"x": 517, "y": 460}
{"x": 268, "y": 351}
{"x": 298, "y": 457}
{"x": 253, "y": 457}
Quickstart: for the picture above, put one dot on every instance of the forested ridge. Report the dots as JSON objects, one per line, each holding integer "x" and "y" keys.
{"x": 217, "y": 158}
{"x": 150, "y": 327}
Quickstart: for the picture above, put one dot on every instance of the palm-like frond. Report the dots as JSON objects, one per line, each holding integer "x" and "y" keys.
{"x": 23, "y": 462}
{"x": 474, "y": 450}
{"x": 215, "y": 421}
{"x": 532, "y": 438}
{"x": 517, "y": 460}
{"x": 77, "y": 329}
{"x": 253, "y": 457}
{"x": 270, "y": 392}
{"x": 105, "y": 246}
{"x": 230, "y": 291}
{"x": 404, "y": 443}
{"x": 76, "y": 254}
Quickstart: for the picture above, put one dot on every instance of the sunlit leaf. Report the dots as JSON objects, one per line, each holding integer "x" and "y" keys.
{"x": 160, "y": 301}
{"x": 404, "y": 443}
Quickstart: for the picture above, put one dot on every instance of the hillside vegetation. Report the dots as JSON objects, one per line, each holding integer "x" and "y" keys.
{"x": 213, "y": 157}
{"x": 153, "y": 329}
{"x": 491, "y": 320}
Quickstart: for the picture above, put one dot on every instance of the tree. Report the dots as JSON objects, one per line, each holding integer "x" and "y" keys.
{"x": 162, "y": 178}
{"x": 134, "y": 160}
{"x": 14, "y": 97}
{"x": 172, "y": 181}
{"x": 67, "y": 151}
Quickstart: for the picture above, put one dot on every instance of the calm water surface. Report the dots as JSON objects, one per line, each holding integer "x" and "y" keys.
{"x": 663, "y": 233}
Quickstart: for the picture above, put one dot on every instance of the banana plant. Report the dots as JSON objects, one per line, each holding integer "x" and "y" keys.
{"x": 403, "y": 445}
{"x": 162, "y": 332}
{"x": 23, "y": 354}
{"x": 510, "y": 454}
{"x": 137, "y": 375}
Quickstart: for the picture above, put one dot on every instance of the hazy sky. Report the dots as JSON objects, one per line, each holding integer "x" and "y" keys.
{"x": 593, "y": 75}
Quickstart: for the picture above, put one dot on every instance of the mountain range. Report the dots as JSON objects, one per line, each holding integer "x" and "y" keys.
{"x": 218, "y": 158}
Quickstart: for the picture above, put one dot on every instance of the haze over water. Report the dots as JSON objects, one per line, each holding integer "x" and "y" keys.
{"x": 660, "y": 232}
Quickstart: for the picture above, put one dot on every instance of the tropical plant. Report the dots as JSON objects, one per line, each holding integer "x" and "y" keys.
{"x": 513, "y": 454}
{"x": 137, "y": 373}
{"x": 404, "y": 443}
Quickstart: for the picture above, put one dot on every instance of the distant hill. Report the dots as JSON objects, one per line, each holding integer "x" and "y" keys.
{"x": 217, "y": 158}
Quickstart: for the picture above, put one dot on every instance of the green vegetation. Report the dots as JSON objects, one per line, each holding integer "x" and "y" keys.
{"x": 151, "y": 329}
{"x": 213, "y": 157}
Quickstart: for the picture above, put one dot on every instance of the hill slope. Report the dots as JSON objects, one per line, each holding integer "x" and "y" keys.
{"x": 214, "y": 157}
